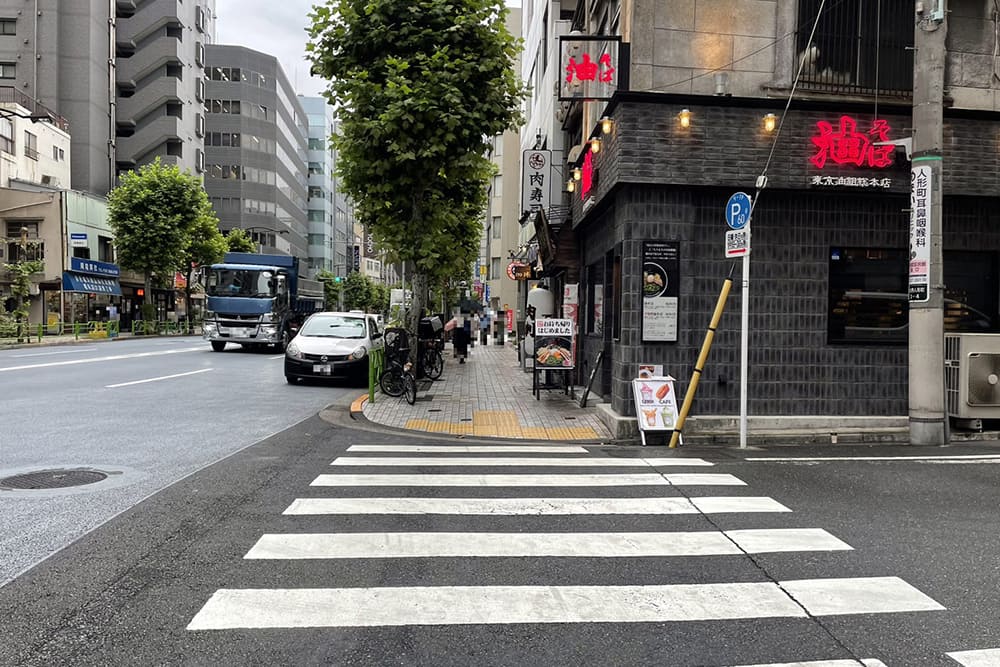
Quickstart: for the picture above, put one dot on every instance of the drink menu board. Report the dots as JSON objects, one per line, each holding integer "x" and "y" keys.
{"x": 660, "y": 287}
{"x": 655, "y": 403}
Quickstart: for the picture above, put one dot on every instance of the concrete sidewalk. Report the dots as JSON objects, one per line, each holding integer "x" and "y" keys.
{"x": 489, "y": 396}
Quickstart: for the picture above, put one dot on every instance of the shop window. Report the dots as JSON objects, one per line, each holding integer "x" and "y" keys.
{"x": 859, "y": 46}
{"x": 869, "y": 302}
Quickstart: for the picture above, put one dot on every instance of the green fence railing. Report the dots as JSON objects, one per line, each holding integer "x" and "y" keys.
{"x": 376, "y": 363}
{"x": 24, "y": 332}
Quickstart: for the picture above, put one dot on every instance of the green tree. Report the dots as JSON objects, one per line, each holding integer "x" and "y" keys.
{"x": 426, "y": 85}
{"x": 206, "y": 245}
{"x": 152, "y": 213}
{"x": 240, "y": 241}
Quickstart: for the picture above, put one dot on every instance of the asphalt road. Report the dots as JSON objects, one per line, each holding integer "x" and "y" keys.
{"x": 906, "y": 571}
{"x": 146, "y": 411}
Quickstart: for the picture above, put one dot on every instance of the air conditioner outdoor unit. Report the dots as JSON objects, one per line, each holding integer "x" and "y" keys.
{"x": 972, "y": 376}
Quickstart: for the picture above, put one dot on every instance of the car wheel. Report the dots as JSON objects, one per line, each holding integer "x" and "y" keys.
{"x": 218, "y": 345}
{"x": 290, "y": 379}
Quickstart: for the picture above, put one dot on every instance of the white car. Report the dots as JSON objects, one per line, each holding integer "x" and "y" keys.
{"x": 333, "y": 345}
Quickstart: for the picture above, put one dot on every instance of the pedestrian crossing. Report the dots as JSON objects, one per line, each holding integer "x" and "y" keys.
{"x": 600, "y": 486}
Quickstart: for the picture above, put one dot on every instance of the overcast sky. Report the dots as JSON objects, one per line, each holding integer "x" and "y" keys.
{"x": 276, "y": 27}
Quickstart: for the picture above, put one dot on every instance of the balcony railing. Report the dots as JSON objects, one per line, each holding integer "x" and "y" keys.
{"x": 38, "y": 111}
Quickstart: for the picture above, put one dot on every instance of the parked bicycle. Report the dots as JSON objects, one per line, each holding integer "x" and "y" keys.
{"x": 433, "y": 360}
{"x": 397, "y": 379}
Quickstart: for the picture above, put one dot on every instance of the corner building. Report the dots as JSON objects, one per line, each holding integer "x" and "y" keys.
{"x": 695, "y": 107}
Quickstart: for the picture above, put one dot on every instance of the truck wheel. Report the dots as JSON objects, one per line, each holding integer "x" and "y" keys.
{"x": 218, "y": 345}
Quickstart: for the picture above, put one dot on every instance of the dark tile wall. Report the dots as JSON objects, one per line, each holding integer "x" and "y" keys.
{"x": 793, "y": 370}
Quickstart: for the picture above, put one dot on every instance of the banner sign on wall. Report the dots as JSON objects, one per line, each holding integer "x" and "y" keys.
{"x": 660, "y": 286}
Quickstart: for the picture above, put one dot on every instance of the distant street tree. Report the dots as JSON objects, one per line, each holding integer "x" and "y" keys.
{"x": 206, "y": 246}
{"x": 424, "y": 86}
{"x": 240, "y": 241}
{"x": 20, "y": 273}
{"x": 152, "y": 213}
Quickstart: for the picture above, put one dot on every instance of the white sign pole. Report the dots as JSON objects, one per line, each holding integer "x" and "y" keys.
{"x": 744, "y": 343}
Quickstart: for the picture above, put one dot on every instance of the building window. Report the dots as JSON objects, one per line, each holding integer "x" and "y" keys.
{"x": 496, "y": 226}
{"x": 315, "y": 192}
{"x": 199, "y": 54}
{"x": 498, "y": 186}
{"x": 199, "y": 89}
{"x": 199, "y": 125}
{"x": 859, "y": 46}
{"x": 869, "y": 303}
{"x": 316, "y": 144}
{"x": 7, "y": 135}
{"x": 199, "y": 19}
{"x": 105, "y": 249}
{"x": 495, "y": 270}
{"x": 199, "y": 157}
{"x": 8, "y": 26}
{"x": 8, "y": 70}
{"x": 30, "y": 145}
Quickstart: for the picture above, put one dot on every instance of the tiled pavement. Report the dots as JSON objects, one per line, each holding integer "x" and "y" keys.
{"x": 489, "y": 396}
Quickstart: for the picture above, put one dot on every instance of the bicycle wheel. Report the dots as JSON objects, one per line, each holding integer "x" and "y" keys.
{"x": 391, "y": 382}
{"x": 409, "y": 388}
{"x": 433, "y": 364}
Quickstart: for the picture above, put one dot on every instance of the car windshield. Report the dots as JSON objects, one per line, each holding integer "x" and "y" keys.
{"x": 240, "y": 282}
{"x": 334, "y": 326}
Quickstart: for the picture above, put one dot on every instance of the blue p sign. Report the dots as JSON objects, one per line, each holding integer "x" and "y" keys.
{"x": 738, "y": 210}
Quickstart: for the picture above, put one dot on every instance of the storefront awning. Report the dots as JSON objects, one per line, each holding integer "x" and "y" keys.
{"x": 82, "y": 282}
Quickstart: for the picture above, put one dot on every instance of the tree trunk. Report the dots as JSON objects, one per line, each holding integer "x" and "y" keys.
{"x": 187, "y": 297}
{"x": 419, "y": 301}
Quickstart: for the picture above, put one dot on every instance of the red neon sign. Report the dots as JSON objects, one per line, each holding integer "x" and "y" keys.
{"x": 588, "y": 70}
{"x": 847, "y": 146}
{"x": 586, "y": 175}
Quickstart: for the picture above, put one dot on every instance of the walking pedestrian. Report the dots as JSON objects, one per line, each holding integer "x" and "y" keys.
{"x": 460, "y": 339}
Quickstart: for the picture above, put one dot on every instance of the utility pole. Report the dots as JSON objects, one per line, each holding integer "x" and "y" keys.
{"x": 927, "y": 417}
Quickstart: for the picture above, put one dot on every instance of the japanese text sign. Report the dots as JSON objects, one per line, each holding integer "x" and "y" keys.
{"x": 536, "y": 180}
{"x": 554, "y": 343}
{"x": 589, "y": 67}
{"x": 921, "y": 187}
{"x": 846, "y": 146}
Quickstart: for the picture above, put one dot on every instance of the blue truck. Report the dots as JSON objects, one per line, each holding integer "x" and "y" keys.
{"x": 257, "y": 301}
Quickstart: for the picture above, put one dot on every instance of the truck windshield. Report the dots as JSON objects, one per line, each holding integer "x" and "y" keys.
{"x": 240, "y": 282}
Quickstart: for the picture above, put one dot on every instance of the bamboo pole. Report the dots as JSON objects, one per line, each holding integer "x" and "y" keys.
{"x": 720, "y": 305}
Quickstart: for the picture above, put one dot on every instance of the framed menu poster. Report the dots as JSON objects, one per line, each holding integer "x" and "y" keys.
{"x": 660, "y": 287}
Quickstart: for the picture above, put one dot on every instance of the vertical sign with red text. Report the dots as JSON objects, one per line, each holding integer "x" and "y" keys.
{"x": 921, "y": 185}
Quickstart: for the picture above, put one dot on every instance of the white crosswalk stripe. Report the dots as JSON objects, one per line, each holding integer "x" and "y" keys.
{"x": 429, "y": 461}
{"x": 469, "y": 449}
{"x": 461, "y": 605}
{"x": 825, "y": 663}
{"x": 982, "y": 658}
{"x": 637, "y": 479}
{"x": 521, "y": 545}
{"x": 439, "y": 605}
{"x": 534, "y": 506}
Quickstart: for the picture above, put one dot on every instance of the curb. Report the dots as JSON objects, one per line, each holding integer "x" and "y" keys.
{"x": 358, "y": 406}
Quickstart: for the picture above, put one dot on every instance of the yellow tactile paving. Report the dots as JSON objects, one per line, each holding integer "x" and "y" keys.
{"x": 488, "y": 423}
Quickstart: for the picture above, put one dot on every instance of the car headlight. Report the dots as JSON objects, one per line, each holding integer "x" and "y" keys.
{"x": 293, "y": 351}
{"x": 267, "y": 317}
{"x": 208, "y": 315}
{"x": 208, "y": 326}
{"x": 358, "y": 353}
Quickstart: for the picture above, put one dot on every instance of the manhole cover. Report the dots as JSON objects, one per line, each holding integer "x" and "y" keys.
{"x": 52, "y": 479}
